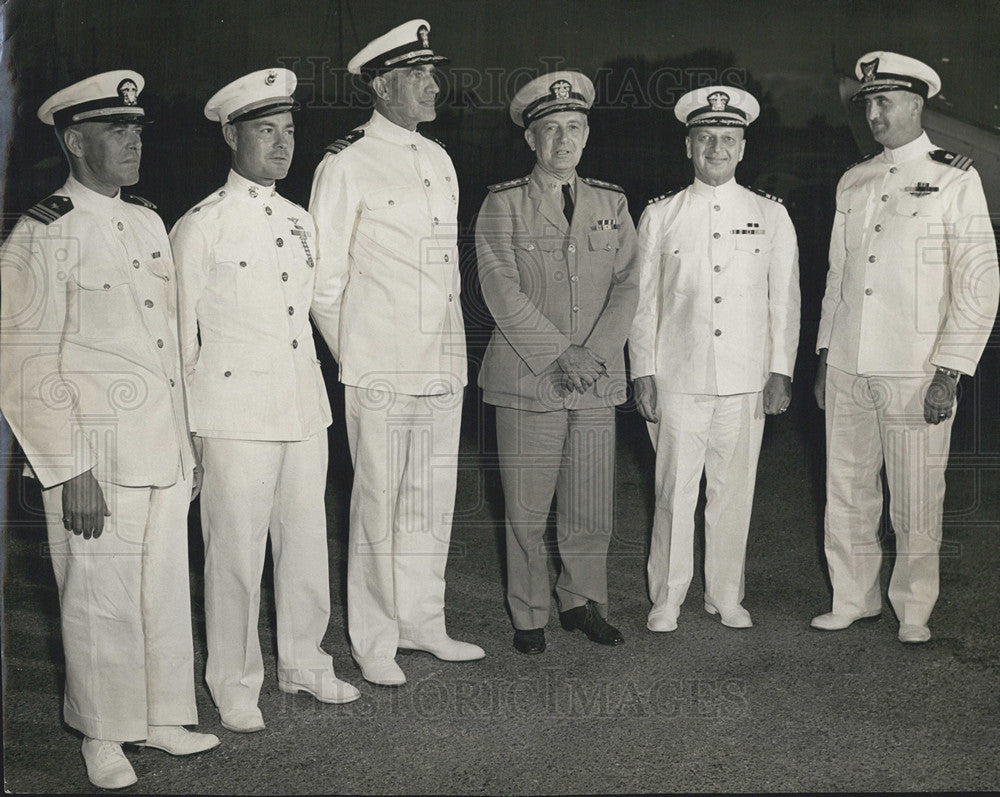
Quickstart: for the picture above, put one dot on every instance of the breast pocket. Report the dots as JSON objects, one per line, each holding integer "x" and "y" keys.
{"x": 603, "y": 241}
{"x": 242, "y": 277}
{"x": 102, "y": 306}
{"x": 392, "y": 218}
{"x": 753, "y": 256}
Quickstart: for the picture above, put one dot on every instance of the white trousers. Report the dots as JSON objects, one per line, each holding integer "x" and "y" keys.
{"x": 249, "y": 488}
{"x": 871, "y": 421}
{"x": 405, "y": 454}
{"x": 125, "y": 601}
{"x": 720, "y": 435}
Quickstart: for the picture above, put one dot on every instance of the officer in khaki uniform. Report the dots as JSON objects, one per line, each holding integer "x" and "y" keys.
{"x": 712, "y": 350}
{"x": 910, "y": 301}
{"x": 92, "y": 389}
{"x": 385, "y": 200}
{"x": 556, "y": 262}
{"x": 247, "y": 266}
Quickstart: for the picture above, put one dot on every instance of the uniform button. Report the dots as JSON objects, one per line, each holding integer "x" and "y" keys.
{"x": 228, "y": 373}
{"x": 872, "y": 258}
{"x": 608, "y": 247}
{"x": 413, "y": 147}
{"x": 756, "y": 251}
{"x": 868, "y": 291}
{"x": 267, "y": 210}
{"x": 716, "y": 235}
{"x": 677, "y": 251}
{"x": 243, "y": 264}
{"x": 717, "y": 269}
{"x": 574, "y": 278}
{"x": 426, "y": 181}
{"x": 392, "y": 202}
{"x": 435, "y": 219}
{"x": 878, "y": 228}
{"x": 718, "y": 332}
{"x": 295, "y": 344}
{"x": 284, "y": 276}
{"x": 309, "y": 262}
{"x": 279, "y": 242}
{"x": 159, "y": 343}
{"x": 576, "y": 309}
{"x": 885, "y": 197}
{"x": 148, "y": 302}
{"x": 222, "y": 193}
{"x": 718, "y": 300}
{"x": 107, "y": 286}
{"x": 448, "y": 178}
{"x": 171, "y": 383}
{"x": 893, "y": 170}
{"x": 291, "y": 311}
{"x": 530, "y": 247}
{"x": 135, "y": 264}
{"x": 447, "y": 259}
{"x": 449, "y": 297}
{"x": 716, "y": 207}
{"x": 120, "y": 226}
{"x": 571, "y": 247}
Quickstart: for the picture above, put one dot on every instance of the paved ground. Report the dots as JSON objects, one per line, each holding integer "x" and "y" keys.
{"x": 777, "y": 707}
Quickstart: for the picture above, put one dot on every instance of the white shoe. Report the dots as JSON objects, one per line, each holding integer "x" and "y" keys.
{"x": 384, "y": 672}
{"x": 732, "y": 617}
{"x": 662, "y": 619}
{"x": 177, "y": 740}
{"x": 107, "y": 766}
{"x": 914, "y": 634}
{"x": 326, "y": 688}
{"x": 242, "y": 720}
{"x": 838, "y": 622}
{"x": 446, "y": 649}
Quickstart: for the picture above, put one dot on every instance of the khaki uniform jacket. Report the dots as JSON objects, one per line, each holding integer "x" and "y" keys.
{"x": 247, "y": 269}
{"x": 913, "y": 266}
{"x": 91, "y": 367}
{"x": 549, "y": 284}
{"x": 719, "y": 291}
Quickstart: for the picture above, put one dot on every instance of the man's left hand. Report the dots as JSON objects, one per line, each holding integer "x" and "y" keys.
{"x": 777, "y": 394}
{"x": 939, "y": 400}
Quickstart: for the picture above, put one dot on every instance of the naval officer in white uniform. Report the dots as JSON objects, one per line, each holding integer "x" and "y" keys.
{"x": 92, "y": 389}
{"x": 712, "y": 350}
{"x": 910, "y": 301}
{"x": 247, "y": 266}
{"x": 385, "y": 200}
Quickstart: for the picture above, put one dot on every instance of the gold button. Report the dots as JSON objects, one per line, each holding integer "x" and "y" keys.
{"x": 872, "y": 258}
{"x": 267, "y": 211}
{"x": 868, "y": 291}
{"x": 284, "y": 276}
{"x": 121, "y": 226}
{"x": 135, "y": 264}
{"x": 148, "y": 302}
{"x": 426, "y": 181}
{"x": 447, "y": 259}
{"x": 893, "y": 170}
{"x": 718, "y": 300}
{"x": 530, "y": 247}
{"x": 228, "y": 373}
{"x": 718, "y": 332}
{"x": 716, "y": 207}
{"x": 878, "y": 228}
{"x": 107, "y": 286}
{"x": 717, "y": 269}
{"x": 392, "y": 202}
{"x": 291, "y": 311}
{"x": 243, "y": 264}
{"x": 295, "y": 344}
{"x": 159, "y": 343}
{"x": 716, "y": 235}
{"x": 571, "y": 247}
{"x": 413, "y": 147}
{"x": 171, "y": 383}
{"x": 885, "y": 197}
{"x": 574, "y": 278}
{"x": 279, "y": 243}
{"x": 576, "y": 309}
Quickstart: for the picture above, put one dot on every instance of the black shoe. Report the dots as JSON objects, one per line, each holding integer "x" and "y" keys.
{"x": 531, "y": 640}
{"x": 589, "y": 620}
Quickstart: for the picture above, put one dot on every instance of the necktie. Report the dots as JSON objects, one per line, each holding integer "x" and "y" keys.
{"x": 567, "y": 203}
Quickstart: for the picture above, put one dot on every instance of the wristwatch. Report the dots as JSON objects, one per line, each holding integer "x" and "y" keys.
{"x": 950, "y": 372}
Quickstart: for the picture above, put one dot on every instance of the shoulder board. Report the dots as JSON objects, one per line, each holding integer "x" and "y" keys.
{"x": 345, "y": 141}
{"x": 859, "y": 162}
{"x": 602, "y": 184}
{"x": 138, "y": 200}
{"x": 766, "y": 195}
{"x": 510, "y": 184}
{"x": 661, "y": 196}
{"x": 50, "y": 209}
{"x": 437, "y": 141}
{"x": 962, "y": 162}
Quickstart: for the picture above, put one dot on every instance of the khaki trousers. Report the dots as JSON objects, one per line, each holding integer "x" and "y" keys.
{"x": 569, "y": 454}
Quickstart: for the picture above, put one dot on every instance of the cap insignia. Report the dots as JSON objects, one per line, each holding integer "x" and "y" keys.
{"x": 560, "y": 89}
{"x": 718, "y": 100}
{"x": 868, "y": 70}
{"x": 423, "y": 36}
{"x": 128, "y": 92}
{"x": 271, "y": 77}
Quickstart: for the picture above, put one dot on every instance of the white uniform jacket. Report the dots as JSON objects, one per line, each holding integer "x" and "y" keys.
{"x": 385, "y": 200}
{"x": 246, "y": 263}
{"x": 91, "y": 369}
{"x": 718, "y": 291}
{"x": 913, "y": 266}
